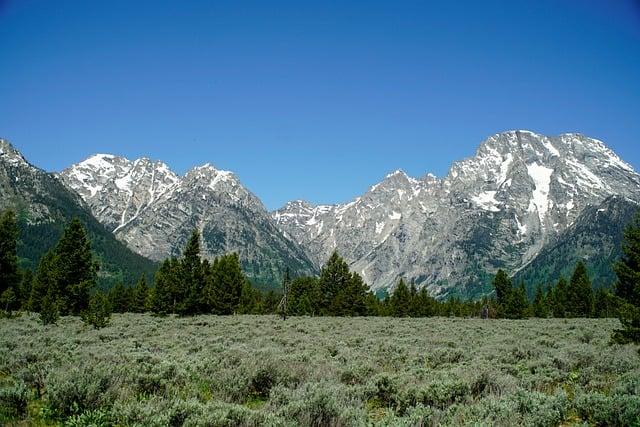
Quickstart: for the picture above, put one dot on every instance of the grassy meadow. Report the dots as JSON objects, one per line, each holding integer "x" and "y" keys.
{"x": 260, "y": 370}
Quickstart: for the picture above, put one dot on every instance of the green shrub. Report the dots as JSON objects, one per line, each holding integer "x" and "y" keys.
{"x": 78, "y": 390}
{"x": 13, "y": 401}
{"x": 98, "y": 314}
{"x": 615, "y": 410}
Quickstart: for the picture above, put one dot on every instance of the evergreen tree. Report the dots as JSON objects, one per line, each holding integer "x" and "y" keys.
{"x": 162, "y": 299}
{"x": 604, "y": 304}
{"x": 271, "y": 300}
{"x": 76, "y": 270}
{"x": 540, "y": 308}
{"x": 26, "y": 284}
{"x": 400, "y": 300}
{"x": 140, "y": 296}
{"x": 334, "y": 277}
{"x": 352, "y": 298}
{"x": 628, "y": 285}
{"x": 9, "y": 275}
{"x": 98, "y": 312}
{"x": 120, "y": 298}
{"x": 517, "y": 304}
{"x": 503, "y": 286}
{"x": 191, "y": 278}
{"x": 304, "y": 296}
{"x": 427, "y": 305}
{"x": 414, "y": 301}
{"x": 45, "y": 282}
{"x": 250, "y": 300}
{"x": 559, "y": 297}
{"x": 579, "y": 302}
{"x": 224, "y": 284}
{"x": 48, "y": 308}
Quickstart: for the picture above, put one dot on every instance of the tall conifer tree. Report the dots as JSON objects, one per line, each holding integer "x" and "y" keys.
{"x": 9, "y": 275}
{"x": 628, "y": 285}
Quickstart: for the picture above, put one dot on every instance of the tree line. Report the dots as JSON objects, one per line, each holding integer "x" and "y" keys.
{"x": 64, "y": 283}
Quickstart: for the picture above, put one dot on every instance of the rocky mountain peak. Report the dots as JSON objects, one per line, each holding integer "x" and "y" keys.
{"x": 154, "y": 211}
{"x": 497, "y": 208}
{"x": 10, "y": 155}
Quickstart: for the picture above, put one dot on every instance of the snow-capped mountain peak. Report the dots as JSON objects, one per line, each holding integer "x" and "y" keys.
{"x": 514, "y": 196}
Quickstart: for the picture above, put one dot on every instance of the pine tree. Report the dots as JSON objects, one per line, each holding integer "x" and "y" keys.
{"x": 48, "y": 309}
{"x": 98, "y": 312}
{"x": 140, "y": 296}
{"x": 120, "y": 298}
{"x": 45, "y": 282}
{"x": 428, "y": 306}
{"x": 604, "y": 304}
{"x": 304, "y": 296}
{"x": 517, "y": 304}
{"x": 223, "y": 285}
{"x": 26, "y": 284}
{"x": 162, "y": 296}
{"x": 334, "y": 277}
{"x": 579, "y": 302}
{"x": 76, "y": 270}
{"x": 628, "y": 285}
{"x": 352, "y": 299}
{"x": 9, "y": 274}
{"x": 540, "y": 308}
{"x": 249, "y": 300}
{"x": 400, "y": 300}
{"x": 191, "y": 278}
{"x": 503, "y": 286}
{"x": 559, "y": 298}
{"x": 414, "y": 301}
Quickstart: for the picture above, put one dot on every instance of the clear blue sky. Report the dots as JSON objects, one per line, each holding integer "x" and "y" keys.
{"x": 313, "y": 100}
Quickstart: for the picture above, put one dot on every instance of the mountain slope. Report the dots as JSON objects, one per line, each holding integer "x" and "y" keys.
{"x": 154, "y": 211}
{"x": 595, "y": 238}
{"x": 44, "y": 206}
{"x": 497, "y": 209}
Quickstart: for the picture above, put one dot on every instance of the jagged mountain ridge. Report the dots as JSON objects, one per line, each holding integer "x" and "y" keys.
{"x": 44, "y": 206}
{"x": 497, "y": 209}
{"x": 153, "y": 210}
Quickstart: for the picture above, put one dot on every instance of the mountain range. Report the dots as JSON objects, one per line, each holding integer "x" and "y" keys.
{"x": 44, "y": 206}
{"x": 525, "y": 202}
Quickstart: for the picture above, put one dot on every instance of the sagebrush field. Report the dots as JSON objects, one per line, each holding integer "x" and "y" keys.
{"x": 260, "y": 370}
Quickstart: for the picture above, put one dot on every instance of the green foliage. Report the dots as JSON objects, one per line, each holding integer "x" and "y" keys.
{"x": 9, "y": 275}
{"x": 304, "y": 296}
{"x": 121, "y": 298}
{"x": 628, "y": 285}
{"x": 98, "y": 313}
{"x": 540, "y": 308}
{"x": 14, "y": 398}
{"x": 190, "y": 285}
{"x": 400, "y": 300}
{"x": 579, "y": 295}
{"x": 49, "y": 311}
{"x": 512, "y": 301}
{"x": 140, "y": 297}
{"x": 68, "y": 272}
{"x": 341, "y": 292}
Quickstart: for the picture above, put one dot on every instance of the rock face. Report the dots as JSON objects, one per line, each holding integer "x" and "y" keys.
{"x": 498, "y": 209}
{"x": 595, "y": 237}
{"x": 154, "y": 211}
{"x": 44, "y": 206}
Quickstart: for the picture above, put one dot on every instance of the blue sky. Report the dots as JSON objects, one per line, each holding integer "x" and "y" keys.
{"x": 313, "y": 100}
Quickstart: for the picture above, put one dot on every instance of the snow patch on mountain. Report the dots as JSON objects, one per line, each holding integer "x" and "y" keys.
{"x": 541, "y": 177}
